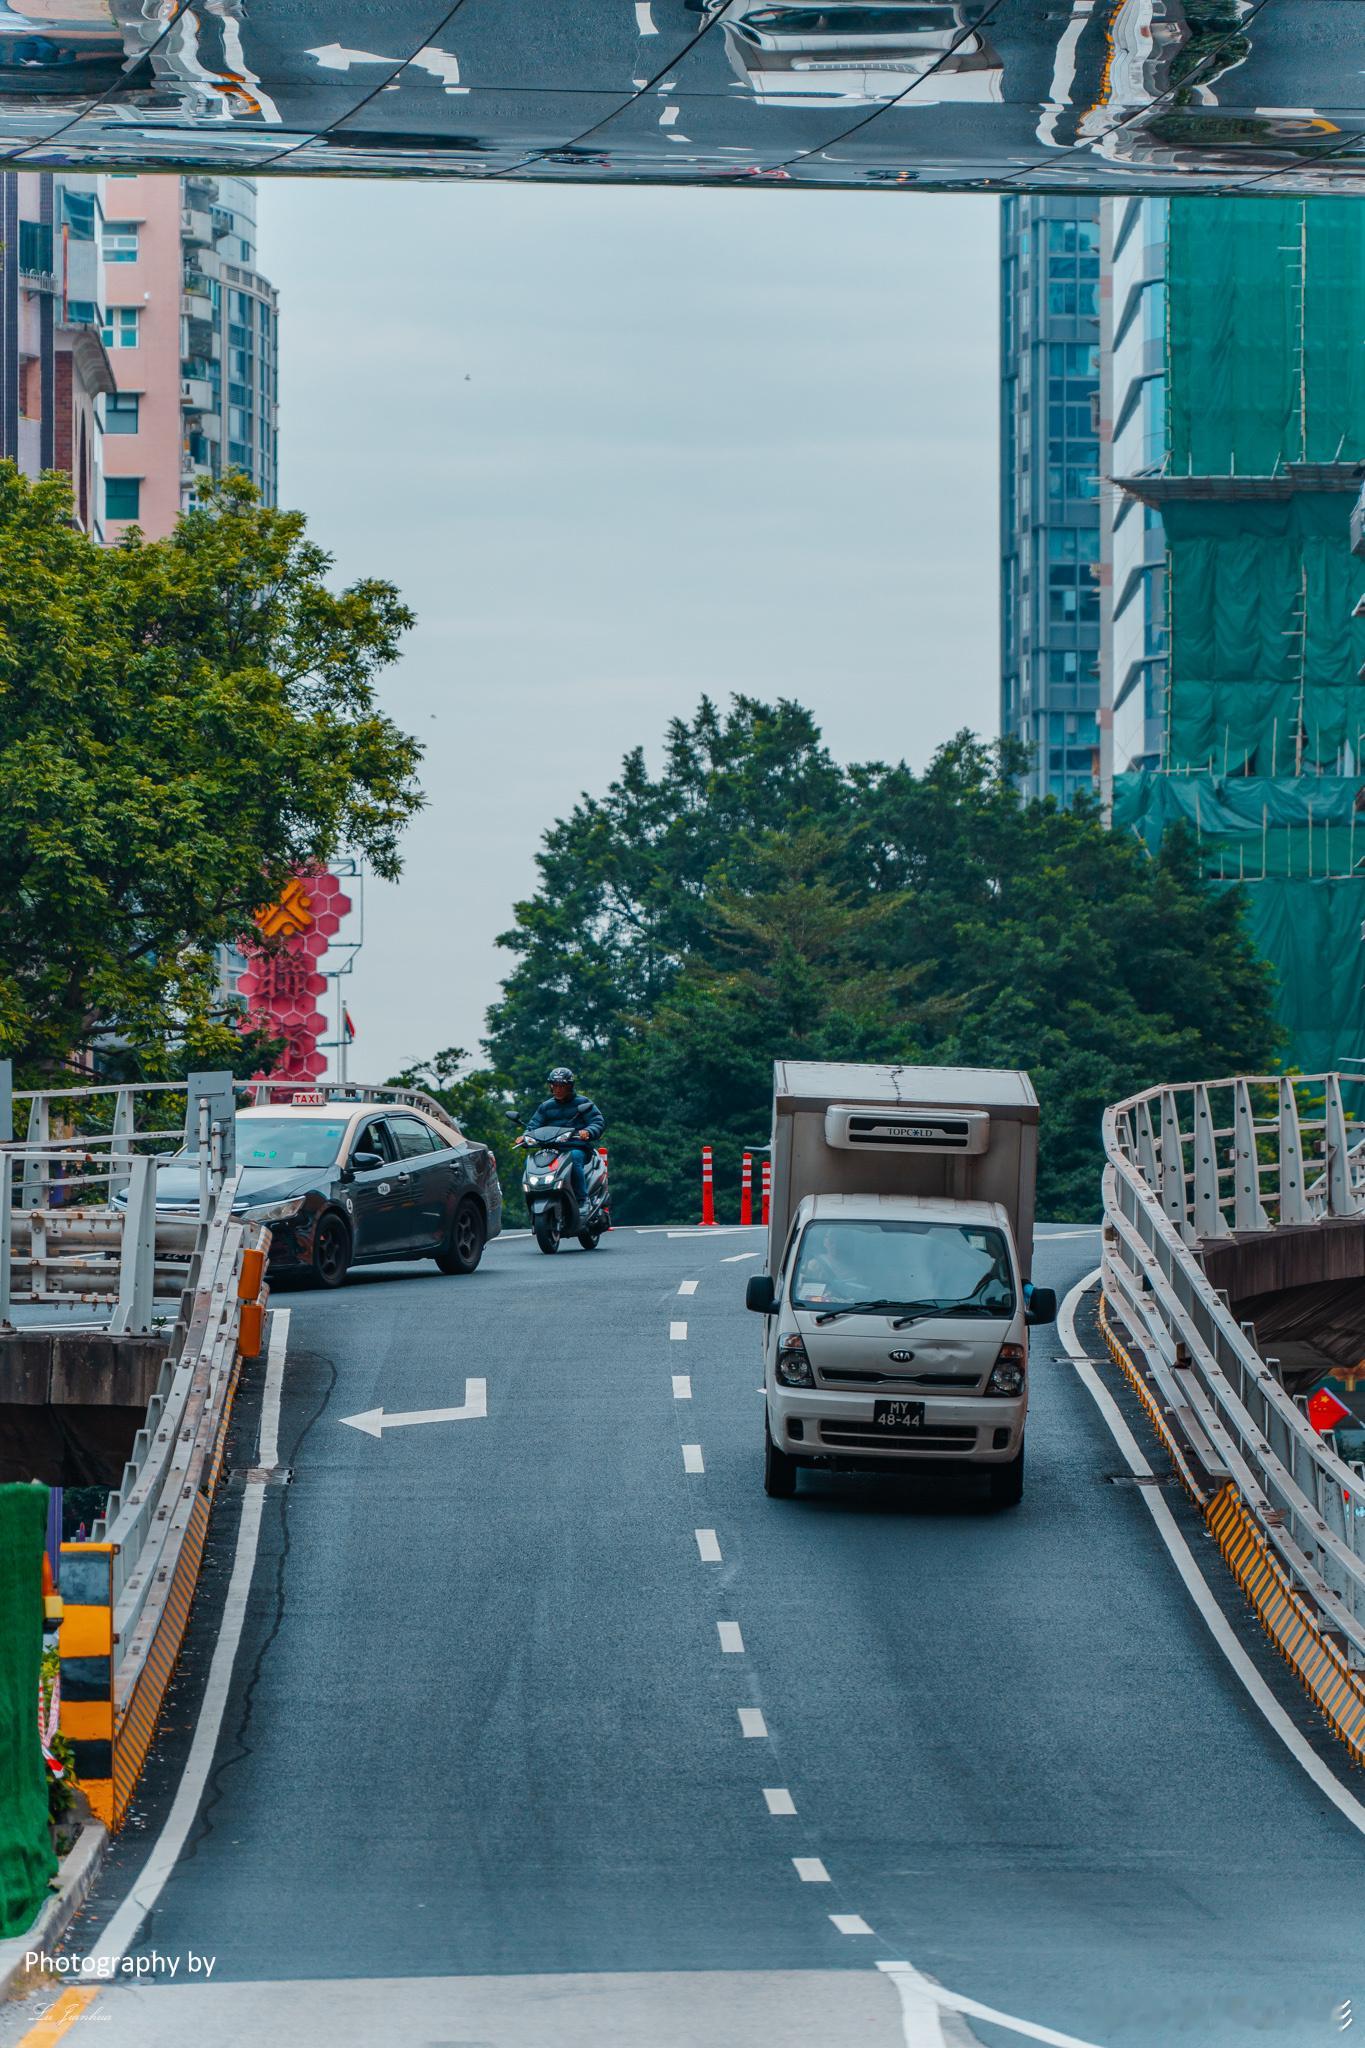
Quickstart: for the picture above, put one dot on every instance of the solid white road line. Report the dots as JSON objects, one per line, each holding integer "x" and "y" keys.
{"x": 692, "y": 1458}
{"x": 779, "y": 1799}
{"x": 687, "y": 1287}
{"x": 682, "y": 1386}
{"x": 751, "y": 1722}
{"x": 121, "y": 1932}
{"x": 677, "y": 1332}
{"x": 1196, "y": 1585}
{"x": 924, "y": 2003}
{"x": 731, "y": 1641}
{"x": 850, "y": 1923}
{"x": 707, "y": 1545}
{"x": 810, "y": 1870}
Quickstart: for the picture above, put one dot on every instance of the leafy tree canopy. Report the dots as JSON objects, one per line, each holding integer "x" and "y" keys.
{"x": 182, "y": 722}
{"x": 754, "y": 899}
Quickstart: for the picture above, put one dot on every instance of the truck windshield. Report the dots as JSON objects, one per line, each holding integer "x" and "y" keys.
{"x": 960, "y": 1269}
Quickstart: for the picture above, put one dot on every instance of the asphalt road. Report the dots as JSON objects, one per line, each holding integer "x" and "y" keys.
{"x": 484, "y": 1778}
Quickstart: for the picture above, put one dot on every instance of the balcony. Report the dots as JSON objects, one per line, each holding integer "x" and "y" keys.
{"x": 196, "y": 225}
{"x": 196, "y": 394}
{"x": 196, "y": 305}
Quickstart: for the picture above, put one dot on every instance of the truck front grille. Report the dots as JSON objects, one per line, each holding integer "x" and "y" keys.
{"x": 861, "y": 1436}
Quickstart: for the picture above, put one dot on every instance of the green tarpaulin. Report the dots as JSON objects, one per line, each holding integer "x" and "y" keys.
{"x": 26, "y": 1858}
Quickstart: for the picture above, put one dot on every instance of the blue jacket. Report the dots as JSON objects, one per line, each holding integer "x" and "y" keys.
{"x": 578, "y": 1111}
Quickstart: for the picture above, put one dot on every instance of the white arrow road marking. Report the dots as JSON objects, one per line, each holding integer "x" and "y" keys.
{"x": 374, "y": 1421}
{"x": 332, "y": 57}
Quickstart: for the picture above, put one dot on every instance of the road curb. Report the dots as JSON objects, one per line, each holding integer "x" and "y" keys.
{"x": 78, "y": 1872}
{"x": 1289, "y": 1624}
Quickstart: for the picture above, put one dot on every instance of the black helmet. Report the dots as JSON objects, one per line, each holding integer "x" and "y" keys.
{"x": 561, "y": 1077}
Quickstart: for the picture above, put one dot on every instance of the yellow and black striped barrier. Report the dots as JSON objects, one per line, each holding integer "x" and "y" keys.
{"x": 1317, "y": 1663}
{"x": 86, "y": 1646}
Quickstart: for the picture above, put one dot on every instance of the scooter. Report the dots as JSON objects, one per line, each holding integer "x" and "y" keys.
{"x": 547, "y": 1184}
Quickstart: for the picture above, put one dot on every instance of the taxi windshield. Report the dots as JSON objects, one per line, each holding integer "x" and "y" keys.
{"x": 953, "y": 1268}
{"x": 283, "y": 1142}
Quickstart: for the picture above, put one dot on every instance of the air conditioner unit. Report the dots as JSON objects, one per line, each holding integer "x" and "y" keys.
{"x": 907, "y": 1128}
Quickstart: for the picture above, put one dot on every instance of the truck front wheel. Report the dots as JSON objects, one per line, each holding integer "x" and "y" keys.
{"x": 779, "y": 1471}
{"x": 1007, "y": 1482}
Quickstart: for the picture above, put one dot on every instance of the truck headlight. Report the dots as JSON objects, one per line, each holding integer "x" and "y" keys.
{"x": 1007, "y": 1374}
{"x": 793, "y": 1366}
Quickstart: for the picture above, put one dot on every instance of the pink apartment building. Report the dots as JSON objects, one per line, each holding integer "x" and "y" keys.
{"x": 190, "y": 326}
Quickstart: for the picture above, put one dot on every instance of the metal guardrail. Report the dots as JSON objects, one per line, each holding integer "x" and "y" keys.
{"x": 1283, "y": 1155}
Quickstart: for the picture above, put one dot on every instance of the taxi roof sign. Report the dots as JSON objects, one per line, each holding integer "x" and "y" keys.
{"x": 307, "y": 1098}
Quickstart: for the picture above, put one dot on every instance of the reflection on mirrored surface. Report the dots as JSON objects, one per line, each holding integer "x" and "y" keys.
{"x": 1101, "y": 95}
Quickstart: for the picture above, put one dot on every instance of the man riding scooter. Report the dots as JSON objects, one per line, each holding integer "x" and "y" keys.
{"x": 580, "y": 1123}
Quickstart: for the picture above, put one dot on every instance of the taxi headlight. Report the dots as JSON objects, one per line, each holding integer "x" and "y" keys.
{"x": 274, "y": 1212}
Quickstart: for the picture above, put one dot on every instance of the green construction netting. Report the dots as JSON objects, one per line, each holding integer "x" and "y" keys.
{"x": 1295, "y": 843}
{"x": 1262, "y": 638}
{"x": 1266, "y": 302}
{"x": 26, "y": 1858}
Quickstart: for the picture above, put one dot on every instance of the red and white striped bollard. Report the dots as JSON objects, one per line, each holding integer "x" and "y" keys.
{"x": 767, "y": 1189}
{"x": 708, "y": 1195}
{"x": 746, "y": 1191}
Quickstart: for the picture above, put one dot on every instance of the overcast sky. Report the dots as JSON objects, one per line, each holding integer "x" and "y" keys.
{"x": 618, "y": 448}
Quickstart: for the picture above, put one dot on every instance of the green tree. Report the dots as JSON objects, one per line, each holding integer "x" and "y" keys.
{"x": 755, "y": 900}
{"x": 182, "y": 723}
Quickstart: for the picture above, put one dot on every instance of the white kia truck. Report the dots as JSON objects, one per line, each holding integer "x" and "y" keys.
{"x": 897, "y": 1301}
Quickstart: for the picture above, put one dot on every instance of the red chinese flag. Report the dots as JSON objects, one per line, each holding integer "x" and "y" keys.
{"x": 1325, "y": 1411}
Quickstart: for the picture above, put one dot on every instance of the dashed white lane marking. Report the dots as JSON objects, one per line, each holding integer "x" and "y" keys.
{"x": 923, "y": 2004}
{"x": 707, "y": 1545}
{"x": 677, "y": 1332}
{"x": 810, "y": 1870}
{"x": 644, "y": 20}
{"x": 122, "y": 1930}
{"x": 687, "y": 1287}
{"x": 751, "y": 1721}
{"x": 668, "y": 117}
{"x": 692, "y": 1458}
{"x": 850, "y": 1923}
{"x": 731, "y": 1641}
{"x": 735, "y": 1258}
{"x": 1196, "y": 1585}
{"x": 779, "y": 1799}
{"x": 682, "y": 1386}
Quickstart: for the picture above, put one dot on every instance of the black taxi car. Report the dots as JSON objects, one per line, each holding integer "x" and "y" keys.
{"x": 343, "y": 1183}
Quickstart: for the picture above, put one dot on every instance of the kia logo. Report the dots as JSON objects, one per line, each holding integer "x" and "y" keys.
{"x": 902, "y": 1357}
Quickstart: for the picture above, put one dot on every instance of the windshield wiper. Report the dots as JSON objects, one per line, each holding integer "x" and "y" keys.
{"x": 905, "y": 1310}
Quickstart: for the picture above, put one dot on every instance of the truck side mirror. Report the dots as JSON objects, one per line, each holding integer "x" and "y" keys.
{"x": 1040, "y": 1305}
{"x": 760, "y": 1295}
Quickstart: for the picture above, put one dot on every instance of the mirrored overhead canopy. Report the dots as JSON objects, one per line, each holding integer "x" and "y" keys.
{"x": 1097, "y": 95}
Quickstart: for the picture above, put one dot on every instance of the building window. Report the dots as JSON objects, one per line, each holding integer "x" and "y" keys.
{"x": 80, "y": 312}
{"x": 78, "y": 214}
{"x": 120, "y": 241}
{"x": 35, "y": 245}
{"x": 122, "y": 496}
{"x": 121, "y": 326}
{"x": 121, "y": 413}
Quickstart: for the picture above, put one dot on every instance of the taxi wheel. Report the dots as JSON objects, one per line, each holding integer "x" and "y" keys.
{"x": 779, "y": 1471}
{"x": 331, "y": 1252}
{"x": 463, "y": 1247}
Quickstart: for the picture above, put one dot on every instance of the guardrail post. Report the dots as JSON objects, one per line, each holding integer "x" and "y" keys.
{"x": 217, "y": 1089}
{"x": 121, "y": 1132}
{"x": 137, "y": 1253}
{"x": 1293, "y": 1206}
{"x": 6, "y": 1235}
{"x": 1209, "y": 1220}
{"x": 1173, "y": 1165}
{"x": 1146, "y": 1144}
{"x": 1248, "y": 1209}
{"x": 39, "y": 1133}
{"x": 1342, "y": 1199}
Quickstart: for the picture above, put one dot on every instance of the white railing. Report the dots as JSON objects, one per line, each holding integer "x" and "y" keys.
{"x": 1285, "y": 1155}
